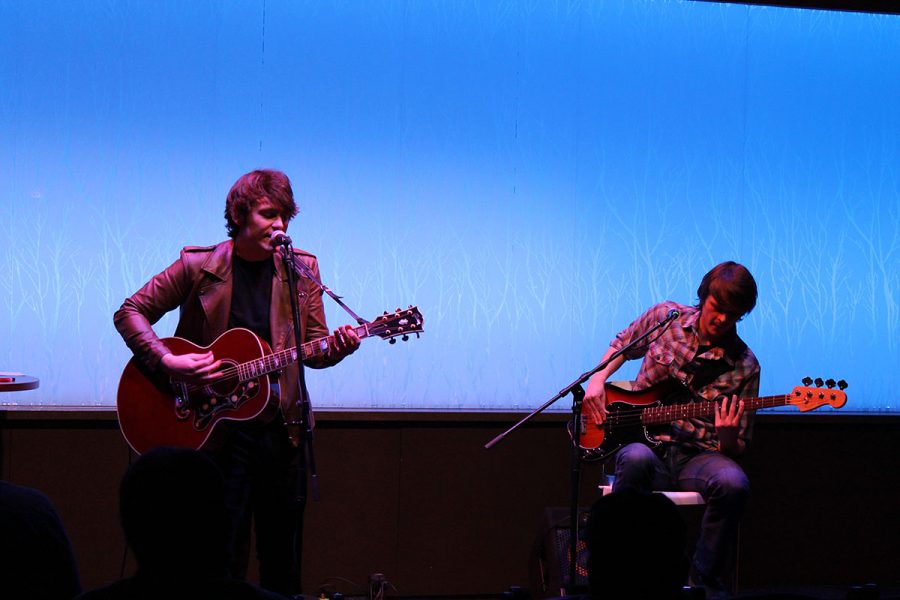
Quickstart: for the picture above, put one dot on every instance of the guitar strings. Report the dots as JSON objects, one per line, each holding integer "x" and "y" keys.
{"x": 234, "y": 372}
{"x": 635, "y": 416}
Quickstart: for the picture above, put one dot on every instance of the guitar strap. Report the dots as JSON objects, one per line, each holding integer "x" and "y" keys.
{"x": 304, "y": 271}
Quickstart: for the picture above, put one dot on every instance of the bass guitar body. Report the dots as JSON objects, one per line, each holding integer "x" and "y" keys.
{"x": 157, "y": 411}
{"x": 623, "y": 424}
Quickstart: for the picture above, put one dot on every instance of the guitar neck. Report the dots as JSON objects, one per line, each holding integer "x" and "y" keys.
{"x": 283, "y": 358}
{"x": 659, "y": 415}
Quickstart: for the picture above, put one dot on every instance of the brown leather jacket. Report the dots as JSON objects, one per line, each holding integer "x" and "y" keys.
{"x": 199, "y": 283}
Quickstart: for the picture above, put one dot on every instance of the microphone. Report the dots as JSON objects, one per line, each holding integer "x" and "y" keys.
{"x": 280, "y": 238}
{"x": 670, "y": 316}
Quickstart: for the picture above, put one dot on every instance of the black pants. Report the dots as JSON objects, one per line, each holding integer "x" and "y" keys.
{"x": 265, "y": 484}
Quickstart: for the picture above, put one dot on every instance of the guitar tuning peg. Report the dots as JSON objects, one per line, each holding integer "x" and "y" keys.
{"x": 819, "y": 382}
{"x": 385, "y": 312}
{"x": 405, "y": 338}
{"x": 392, "y": 341}
{"x": 842, "y": 384}
{"x": 829, "y": 383}
{"x": 398, "y": 310}
{"x": 807, "y": 381}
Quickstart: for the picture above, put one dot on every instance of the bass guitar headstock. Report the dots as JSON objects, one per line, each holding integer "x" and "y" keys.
{"x": 400, "y": 323}
{"x": 807, "y": 397}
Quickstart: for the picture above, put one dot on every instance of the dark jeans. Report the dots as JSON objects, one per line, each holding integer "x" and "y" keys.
{"x": 265, "y": 483}
{"x": 717, "y": 478}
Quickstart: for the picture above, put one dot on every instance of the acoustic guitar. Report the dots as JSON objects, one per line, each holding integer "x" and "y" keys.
{"x": 155, "y": 410}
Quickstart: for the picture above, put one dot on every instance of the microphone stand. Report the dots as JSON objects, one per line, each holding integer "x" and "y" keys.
{"x": 577, "y": 392}
{"x": 293, "y": 268}
{"x": 305, "y": 421}
{"x": 287, "y": 257}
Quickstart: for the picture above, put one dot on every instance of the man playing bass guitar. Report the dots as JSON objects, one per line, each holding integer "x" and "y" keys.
{"x": 241, "y": 283}
{"x": 702, "y": 350}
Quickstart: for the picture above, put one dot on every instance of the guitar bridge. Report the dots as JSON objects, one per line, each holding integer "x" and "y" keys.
{"x": 213, "y": 402}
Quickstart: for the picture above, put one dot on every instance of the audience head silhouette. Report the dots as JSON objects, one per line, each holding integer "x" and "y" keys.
{"x": 36, "y": 559}
{"x": 172, "y": 506}
{"x": 636, "y": 543}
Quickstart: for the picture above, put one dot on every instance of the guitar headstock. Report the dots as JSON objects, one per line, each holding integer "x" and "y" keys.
{"x": 401, "y": 322}
{"x": 808, "y": 398}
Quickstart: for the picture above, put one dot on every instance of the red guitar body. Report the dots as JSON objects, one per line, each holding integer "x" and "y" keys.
{"x": 156, "y": 411}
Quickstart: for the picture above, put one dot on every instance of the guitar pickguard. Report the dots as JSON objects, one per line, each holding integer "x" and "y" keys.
{"x": 207, "y": 403}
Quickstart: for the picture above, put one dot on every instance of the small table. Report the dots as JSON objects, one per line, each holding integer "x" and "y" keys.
{"x": 17, "y": 382}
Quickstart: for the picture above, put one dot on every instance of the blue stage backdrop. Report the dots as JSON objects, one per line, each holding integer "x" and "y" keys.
{"x": 531, "y": 174}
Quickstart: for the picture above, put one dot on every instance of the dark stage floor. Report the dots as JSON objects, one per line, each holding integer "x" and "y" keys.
{"x": 774, "y": 593}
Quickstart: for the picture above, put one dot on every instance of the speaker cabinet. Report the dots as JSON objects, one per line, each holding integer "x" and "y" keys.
{"x": 551, "y": 557}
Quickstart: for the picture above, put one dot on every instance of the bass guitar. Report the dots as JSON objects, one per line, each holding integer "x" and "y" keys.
{"x": 155, "y": 410}
{"x": 634, "y": 416}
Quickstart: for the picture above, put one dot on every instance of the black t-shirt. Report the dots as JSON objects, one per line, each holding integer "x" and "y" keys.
{"x": 251, "y": 296}
{"x": 706, "y": 370}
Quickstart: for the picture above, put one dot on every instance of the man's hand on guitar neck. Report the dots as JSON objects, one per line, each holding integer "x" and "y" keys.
{"x": 192, "y": 368}
{"x": 346, "y": 341}
{"x": 728, "y": 422}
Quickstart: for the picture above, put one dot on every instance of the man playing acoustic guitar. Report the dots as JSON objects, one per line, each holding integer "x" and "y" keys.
{"x": 241, "y": 283}
{"x": 701, "y": 349}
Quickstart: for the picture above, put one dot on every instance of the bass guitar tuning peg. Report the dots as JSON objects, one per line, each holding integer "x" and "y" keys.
{"x": 842, "y": 384}
{"x": 829, "y": 383}
{"x": 405, "y": 338}
{"x": 807, "y": 381}
{"x": 392, "y": 341}
{"x": 819, "y": 382}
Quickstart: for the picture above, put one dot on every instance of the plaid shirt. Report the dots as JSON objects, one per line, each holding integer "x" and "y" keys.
{"x": 722, "y": 370}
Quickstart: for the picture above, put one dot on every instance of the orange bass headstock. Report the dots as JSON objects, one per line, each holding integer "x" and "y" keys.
{"x": 808, "y": 398}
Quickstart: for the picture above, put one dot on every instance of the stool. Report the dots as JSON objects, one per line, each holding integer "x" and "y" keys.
{"x": 677, "y": 498}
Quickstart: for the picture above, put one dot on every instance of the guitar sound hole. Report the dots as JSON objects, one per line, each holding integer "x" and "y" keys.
{"x": 228, "y": 385}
